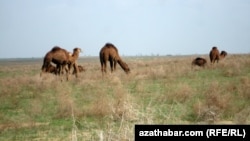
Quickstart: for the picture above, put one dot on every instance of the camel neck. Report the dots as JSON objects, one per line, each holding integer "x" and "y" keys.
{"x": 75, "y": 55}
{"x": 121, "y": 63}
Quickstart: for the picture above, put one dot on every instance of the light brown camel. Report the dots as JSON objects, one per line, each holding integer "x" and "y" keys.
{"x": 61, "y": 58}
{"x": 214, "y": 55}
{"x": 110, "y": 53}
{"x": 73, "y": 61}
{"x": 199, "y": 62}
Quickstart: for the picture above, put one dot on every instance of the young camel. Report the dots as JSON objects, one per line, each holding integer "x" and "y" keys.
{"x": 73, "y": 61}
{"x": 61, "y": 58}
{"x": 110, "y": 53}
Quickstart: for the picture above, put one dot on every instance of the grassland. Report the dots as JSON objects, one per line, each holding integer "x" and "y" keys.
{"x": 159, "y": 90}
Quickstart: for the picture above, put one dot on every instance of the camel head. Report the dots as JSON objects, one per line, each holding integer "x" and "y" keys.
{"x": 126, "y": 68}
{"x": 78, "y": 50}
{"x": 214, "y": 47}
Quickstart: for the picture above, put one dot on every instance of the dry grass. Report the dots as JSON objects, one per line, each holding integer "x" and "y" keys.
{"x": 159, "y": 90}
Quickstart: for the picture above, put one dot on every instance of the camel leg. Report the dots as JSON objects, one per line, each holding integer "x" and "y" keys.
{"x": 104, "y": 66}
{"x": 115, "y": 62}
{"x": 75, "y": 65}
{"x": 44, "y": 67}
{"x": 67, "y": 70}
{"x": 111, "y": 65}
{"x": 58, "y": 69}
{"x": 102, "y": 69}
{"x": 63, "y": 68}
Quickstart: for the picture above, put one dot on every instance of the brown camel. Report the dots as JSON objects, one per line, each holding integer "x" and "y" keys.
{"x": 110, "y": 53}
{"x": 214, "y": 55}
{"x": 61, "y": 58}
{"x": 80, "y": 68}
{"x": 199, "y": 62}
{"x": 223, "y": 54}
{"x": 58, "y": 56}
{"x": 51, "y": 69}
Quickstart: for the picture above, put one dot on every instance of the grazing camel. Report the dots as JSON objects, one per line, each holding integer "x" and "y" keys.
{"x": 58, "y": 56}
{"x": 61, "y": 58}
{"x": 199, "y": 62}
{"x": 214, "y": 55}
{"x": 110, "y": 53}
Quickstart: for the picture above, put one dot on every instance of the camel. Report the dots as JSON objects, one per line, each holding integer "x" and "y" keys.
{"x": 80, "y": 68}
{"x": 73, "y": 61}
{"x": 110, "y": 53}
{"x": 223, "y": 54}
{"x": 199, "y": 62}
{"x": 214, "y": 55}
{"x": 58, "y": 56}
{"x": 51, "y": 69}
{"x": 61, "y": 58}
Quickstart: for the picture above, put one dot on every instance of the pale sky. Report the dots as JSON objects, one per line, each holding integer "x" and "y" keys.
{"x": 30, "y": 28}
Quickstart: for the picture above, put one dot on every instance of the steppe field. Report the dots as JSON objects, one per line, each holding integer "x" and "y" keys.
{"x": 159, "y": 90}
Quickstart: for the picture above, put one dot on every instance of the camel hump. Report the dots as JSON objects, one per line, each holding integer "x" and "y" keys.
{"x": 199, "y": 58}
{"x": 55, "y": 48}
{"x": 109, "y": 45}
{"x": 214, "y": 47}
